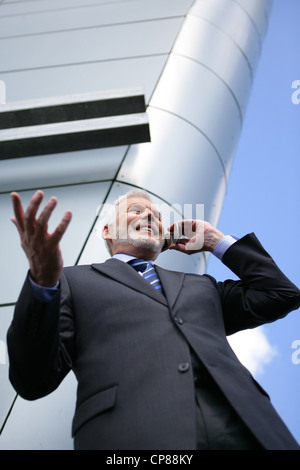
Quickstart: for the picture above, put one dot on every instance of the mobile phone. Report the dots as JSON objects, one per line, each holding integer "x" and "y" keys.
{"x": 171, "y": 239}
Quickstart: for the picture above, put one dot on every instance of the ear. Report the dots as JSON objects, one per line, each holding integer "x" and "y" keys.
{"x": 106, "y": 233}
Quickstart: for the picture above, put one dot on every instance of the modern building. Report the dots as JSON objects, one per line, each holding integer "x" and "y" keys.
{"x": 121, "y": 94}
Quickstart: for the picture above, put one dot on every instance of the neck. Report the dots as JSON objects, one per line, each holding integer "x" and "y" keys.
{"x": 136, "y": 252}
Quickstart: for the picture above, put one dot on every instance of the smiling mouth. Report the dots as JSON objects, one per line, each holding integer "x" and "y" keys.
{"x": 145, "y": 228}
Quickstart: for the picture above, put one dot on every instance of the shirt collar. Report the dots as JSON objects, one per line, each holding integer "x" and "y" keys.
{"x": 124, "y": 257}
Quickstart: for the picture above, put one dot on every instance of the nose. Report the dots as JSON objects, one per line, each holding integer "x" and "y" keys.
{"x": 147, "y": 214}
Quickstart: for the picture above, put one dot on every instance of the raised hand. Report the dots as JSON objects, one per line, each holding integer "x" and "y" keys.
{"x": 41, "y": 248}
{"x": 198, "y": 236}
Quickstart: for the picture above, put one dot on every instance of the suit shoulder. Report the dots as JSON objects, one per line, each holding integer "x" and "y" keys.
{"x": 77, "y": 270}
{"x": 69, "y": 269}
{"x": 206, "y": 278}
{"x": 77, "y": 266}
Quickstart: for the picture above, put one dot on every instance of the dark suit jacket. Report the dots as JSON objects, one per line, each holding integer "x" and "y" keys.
{"x": 129, "y": 348}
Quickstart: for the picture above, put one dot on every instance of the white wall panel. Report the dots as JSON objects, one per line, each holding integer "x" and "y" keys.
{"x": 113, "y": 42}
{"x": 193, "y": 92}
{"x": 43, "y": 424}
{"x": 60, "y": 169}
{"x": 202, "y": 41}
{"x": 85, "y": 77}
{"x": 9, "y": 8}
{"x": 82, "y": 200}
{"x": 234, "y": 21}
{"x": 7, "y": 393}
{"x": 179, "y": 165}
{"x": 101, "y": 14}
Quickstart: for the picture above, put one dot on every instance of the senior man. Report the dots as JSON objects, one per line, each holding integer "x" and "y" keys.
{"x": 147, "y": 345}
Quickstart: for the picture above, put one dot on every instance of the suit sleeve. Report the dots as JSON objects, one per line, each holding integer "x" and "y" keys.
{"x": 263, "y": 293}
{"x": 40, "y": 342}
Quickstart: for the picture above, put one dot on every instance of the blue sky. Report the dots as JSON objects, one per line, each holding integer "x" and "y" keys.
{"x": 263, "y": 197}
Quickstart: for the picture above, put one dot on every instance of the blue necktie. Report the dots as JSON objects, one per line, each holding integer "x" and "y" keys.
{"x": 148, "y": 272}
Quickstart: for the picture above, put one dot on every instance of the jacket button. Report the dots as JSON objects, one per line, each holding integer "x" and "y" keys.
{"x": 183, "y": 367}
{"x": 178, "y": 320}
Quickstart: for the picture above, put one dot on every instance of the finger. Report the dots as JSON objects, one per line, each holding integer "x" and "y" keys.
{"x": 183, "y": 225}
{"x": 13, "y": 219}
{"x": 175, "y": 230}
{"x": 61, "y": 228}
{"x": 18, "y": 220}
{"x": 42, "y": 221}
{"x": 188, "y": 245}
{"x": 175, "y": 226}
{"x": 189, "y": 227}
{"x": 179, "y": 247}
{"x": 183, "y": 231}
{"x": 30, "y": 214}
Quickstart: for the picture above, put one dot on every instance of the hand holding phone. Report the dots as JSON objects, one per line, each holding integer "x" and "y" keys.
{"x": 192, "y": 236}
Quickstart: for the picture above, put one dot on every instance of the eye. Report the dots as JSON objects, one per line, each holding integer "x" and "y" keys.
{"x": 135, "y": 209}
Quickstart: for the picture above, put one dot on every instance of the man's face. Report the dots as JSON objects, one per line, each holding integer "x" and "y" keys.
{"x": 139, "y": 230}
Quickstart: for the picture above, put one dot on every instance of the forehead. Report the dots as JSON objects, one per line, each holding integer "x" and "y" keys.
{"x": 137, "y": 201}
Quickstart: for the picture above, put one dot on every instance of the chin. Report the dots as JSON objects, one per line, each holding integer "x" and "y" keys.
{"x": 148, "y": 244}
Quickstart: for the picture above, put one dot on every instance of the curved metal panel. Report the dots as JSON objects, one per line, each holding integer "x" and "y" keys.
{"x": 179, "y": 165}
{"x": 258, "y": 13}
{"x": 235, "y": 22}
{"x": 197, "y": 95}
{"x": 205, "y": 43}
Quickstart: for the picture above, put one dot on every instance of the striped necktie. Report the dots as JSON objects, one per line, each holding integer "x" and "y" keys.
{"x": 148, "y": 272}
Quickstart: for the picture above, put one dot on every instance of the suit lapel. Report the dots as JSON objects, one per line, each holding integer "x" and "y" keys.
{"x": 122, "y": 272}
{"x": 125, "y": 274}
